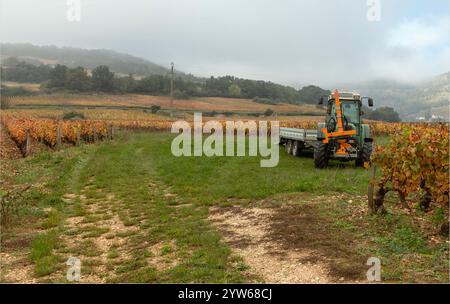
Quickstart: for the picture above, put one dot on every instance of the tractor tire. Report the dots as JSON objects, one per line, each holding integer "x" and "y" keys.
{"x": 365, "y": 154}
{"x": 296, "y": 148}
{"x": 321, "y": 156}
{"x": 288, "y": 147}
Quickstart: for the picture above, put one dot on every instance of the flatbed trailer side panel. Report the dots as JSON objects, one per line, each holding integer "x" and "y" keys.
{"x": 307, "y": 137}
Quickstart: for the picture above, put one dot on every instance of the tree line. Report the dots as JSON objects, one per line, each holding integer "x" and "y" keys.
{"x": 102, "y": 79}
{"x": 382, "y": 113}
{"x": 19, "y": 71}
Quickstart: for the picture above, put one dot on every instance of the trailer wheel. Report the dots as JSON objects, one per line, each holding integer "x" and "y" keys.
{"x": 321, "y": 156}
{"x": 288, "y": 146}
{"x": 296, "y": 148}
{"x": 365, "y": 154}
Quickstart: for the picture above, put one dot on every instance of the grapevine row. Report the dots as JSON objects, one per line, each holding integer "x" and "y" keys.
{"x": 415, "y": 160}
{"x": 46, "y": 130}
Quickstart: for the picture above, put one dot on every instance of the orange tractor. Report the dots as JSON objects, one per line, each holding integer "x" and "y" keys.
{"x": 342, "y": 136}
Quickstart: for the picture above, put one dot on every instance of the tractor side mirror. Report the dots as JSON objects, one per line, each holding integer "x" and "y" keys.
{"x": 323, "y": 99}
{"x": 370, "y": 102}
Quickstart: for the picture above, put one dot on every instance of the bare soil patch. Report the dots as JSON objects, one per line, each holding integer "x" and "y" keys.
{"x": 289, "y": 244}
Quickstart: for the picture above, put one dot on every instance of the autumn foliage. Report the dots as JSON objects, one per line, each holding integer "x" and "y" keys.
{"x": 416, "y": 159}
{"x": 45, "y": 130}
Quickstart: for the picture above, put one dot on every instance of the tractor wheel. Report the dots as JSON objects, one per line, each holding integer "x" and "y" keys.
{"x": 288, "y": 147}
{"x": 321, "y": 156}
{"x": 365, "y": 154}
{"x": 296, "y": 148}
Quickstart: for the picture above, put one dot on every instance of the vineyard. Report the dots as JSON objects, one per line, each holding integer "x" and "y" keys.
{"x": 42, "y": 125}
{"x": 412, "y": 163}
{"x": 136, "y": 100}
{"x": 53, "y": 131}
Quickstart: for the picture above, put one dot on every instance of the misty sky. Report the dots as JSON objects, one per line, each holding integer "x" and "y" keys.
{"x": 304, "y": 41}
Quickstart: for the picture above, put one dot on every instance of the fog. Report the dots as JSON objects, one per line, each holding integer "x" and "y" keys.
{"x": 294, "y": 42}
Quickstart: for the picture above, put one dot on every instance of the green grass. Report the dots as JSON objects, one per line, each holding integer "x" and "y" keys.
{"x": 43, "y": 245}
{"x": 126, "y": 169}
{"x": 53, "y": 220}
{"x": 404, "y": 240}
{"x": 113, "y": 253}
{"x": 207, "y": 180}
{"x": 52, "y": 175}
{"x": 405, "y": 253}
{"x": 42, "y": 253}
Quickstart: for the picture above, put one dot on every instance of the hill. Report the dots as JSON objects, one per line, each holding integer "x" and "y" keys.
{"x": 411, "y": 100}
{"x": 26, "y": 63}
{"x": 73, "y": 57}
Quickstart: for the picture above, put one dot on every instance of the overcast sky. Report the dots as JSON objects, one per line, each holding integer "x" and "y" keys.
{"x": 303, "y": 41}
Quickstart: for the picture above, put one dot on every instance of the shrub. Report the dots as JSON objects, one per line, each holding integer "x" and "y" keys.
{"x": 73, "y": 116}
{"x": 155, "y": 108}
{"x": 268, "y": 112}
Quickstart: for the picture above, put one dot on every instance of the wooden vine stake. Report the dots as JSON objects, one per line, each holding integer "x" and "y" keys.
{"x": 28, "y": 145}
{"x": 110, "y": 132}
{"x": 370, "y": 191}
{"x": 58, "y": 136}
{"x": 78, "y": 138}
{"x": 95, "y": 134}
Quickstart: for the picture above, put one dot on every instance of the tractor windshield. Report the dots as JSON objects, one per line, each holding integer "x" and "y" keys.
{"x": 351, "y": 111}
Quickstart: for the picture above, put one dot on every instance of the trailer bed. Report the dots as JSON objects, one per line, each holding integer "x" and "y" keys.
{"x": 307, "y": 137}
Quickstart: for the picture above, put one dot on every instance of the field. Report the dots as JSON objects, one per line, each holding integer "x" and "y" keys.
{"x": 145, "y": 101}
{"x": 133, "y": 212}
{"x": 34, "y": 87}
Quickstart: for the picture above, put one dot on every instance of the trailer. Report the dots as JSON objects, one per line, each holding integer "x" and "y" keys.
{"x": 296, "y": 140}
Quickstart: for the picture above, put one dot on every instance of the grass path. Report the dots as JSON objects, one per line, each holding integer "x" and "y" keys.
{"x": 126, "y": 226}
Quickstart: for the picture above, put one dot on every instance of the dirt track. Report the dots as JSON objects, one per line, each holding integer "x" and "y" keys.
{"x": 288, "y": 244}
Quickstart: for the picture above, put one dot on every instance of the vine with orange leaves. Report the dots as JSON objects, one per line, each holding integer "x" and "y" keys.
{"x": 45, "y": 130}
{"x": 416, "y": 160}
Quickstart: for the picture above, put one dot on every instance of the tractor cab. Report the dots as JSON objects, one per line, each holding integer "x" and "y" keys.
{"x": 350, "y": 107}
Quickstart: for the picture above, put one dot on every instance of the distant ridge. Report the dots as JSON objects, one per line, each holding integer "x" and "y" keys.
{"x": 412, "y": 100}
{"x": 89, "y": 58}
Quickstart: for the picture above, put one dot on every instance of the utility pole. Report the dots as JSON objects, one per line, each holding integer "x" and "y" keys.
{"x": 171, "y": 85}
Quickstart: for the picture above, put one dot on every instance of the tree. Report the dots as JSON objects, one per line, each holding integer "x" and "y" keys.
{"x": 311, "y": 94}
{"x": 154, "y": 84}
{"x": 383, "y": 113}
{"x": 268, "y": 112}
{"x": 125, "y": 84}
{"x": 234, "y": 90}
{"x": 6, "y": 91}
{"x": 73, "y": 116}
{"x": 155, "y": 108}
{"x": 14, "y": 70}
{"x": 102, "y": 79}
{"x": 78, "y": 80}
{"x": 58, "y": 77}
